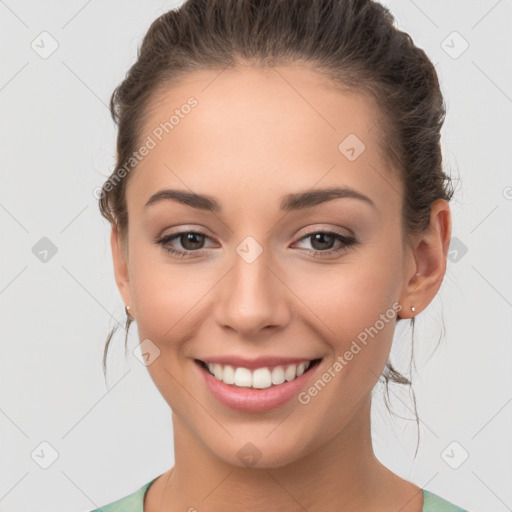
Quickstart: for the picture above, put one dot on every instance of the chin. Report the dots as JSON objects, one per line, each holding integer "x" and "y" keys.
{"x": 257, "y": 451}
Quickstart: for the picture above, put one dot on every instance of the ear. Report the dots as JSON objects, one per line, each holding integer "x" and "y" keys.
{"x": 426, "y": 261}
{"x": 120, "y": 261}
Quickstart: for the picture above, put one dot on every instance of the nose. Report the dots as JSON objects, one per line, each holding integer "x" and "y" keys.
{"x": 253, "y": 300}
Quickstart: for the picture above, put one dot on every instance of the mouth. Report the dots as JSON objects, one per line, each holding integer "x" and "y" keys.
{"x": 259, "y": 378}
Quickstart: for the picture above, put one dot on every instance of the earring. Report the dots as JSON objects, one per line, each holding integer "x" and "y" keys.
{"x": 127, "y": 311}
{"x": 413, "y": 309}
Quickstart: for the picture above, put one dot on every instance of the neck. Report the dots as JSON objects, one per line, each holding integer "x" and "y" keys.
{"x": 343, "y": 470}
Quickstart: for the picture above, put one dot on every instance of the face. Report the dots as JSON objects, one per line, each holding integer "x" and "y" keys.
{"x": 263, "y": 276}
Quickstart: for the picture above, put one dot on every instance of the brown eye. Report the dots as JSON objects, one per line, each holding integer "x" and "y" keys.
{"x": 191, "y": 241}
{"x": 323, "y": 243}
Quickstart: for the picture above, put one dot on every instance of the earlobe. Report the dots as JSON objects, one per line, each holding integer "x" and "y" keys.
{"x": 429, "y": 261}
{"x": 120, "y": 264}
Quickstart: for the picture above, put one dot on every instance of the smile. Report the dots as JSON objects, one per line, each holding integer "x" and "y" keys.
{"x": 255, "y": 385}
{"x": 259, "y": 378}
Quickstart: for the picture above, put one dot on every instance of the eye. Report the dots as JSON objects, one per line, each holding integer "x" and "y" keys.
{"x": 191, "y": 241}
{"x": 323, "y": 243}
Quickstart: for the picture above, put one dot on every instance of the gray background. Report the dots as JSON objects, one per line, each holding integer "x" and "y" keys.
{"x": 58, "y": 146}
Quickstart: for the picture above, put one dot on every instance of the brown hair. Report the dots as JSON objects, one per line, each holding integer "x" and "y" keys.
{"x": 352, "y": 42}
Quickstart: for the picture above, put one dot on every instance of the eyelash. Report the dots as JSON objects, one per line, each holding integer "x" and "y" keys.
{"x": 346, "y": 242}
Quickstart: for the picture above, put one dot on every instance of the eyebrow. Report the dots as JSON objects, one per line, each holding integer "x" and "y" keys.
{"x": 289, "y": 202}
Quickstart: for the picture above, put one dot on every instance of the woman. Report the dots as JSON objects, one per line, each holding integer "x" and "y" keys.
{"x": 277, "y": 206}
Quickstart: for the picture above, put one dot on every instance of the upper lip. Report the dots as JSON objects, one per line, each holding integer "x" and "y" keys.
{"x": 258, "y": 362}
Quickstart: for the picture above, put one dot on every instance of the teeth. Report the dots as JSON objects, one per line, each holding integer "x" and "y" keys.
{"x": 243, "y": 377}
{"x": 229, "y": 375}
{"x": 291, "y": 372}
{"x": 278, "y": 375}
{"x": 261, "y": 378}
{"x": 217, "y": 371}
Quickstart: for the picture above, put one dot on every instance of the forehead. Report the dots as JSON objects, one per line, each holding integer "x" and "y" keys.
{"x": 262, "y": 128}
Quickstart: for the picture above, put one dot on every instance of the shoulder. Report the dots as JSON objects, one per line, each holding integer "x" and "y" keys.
{"x": 434, "y": 503}
{"x": 131, "y": 503}
{"x": 135, "y": 502}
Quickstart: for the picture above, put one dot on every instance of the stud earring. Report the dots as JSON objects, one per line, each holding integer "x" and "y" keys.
{"x": 127, "y": 311}
{"x": 413, "y": 309}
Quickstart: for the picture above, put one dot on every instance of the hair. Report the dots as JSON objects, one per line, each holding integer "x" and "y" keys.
{"x": 354, "y": 43}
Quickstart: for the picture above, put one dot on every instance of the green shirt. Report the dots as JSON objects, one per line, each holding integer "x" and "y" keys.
{"x": 134, "y": 502}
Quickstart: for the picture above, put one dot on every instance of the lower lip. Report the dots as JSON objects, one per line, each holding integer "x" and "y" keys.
{"x": 254, "y": 400}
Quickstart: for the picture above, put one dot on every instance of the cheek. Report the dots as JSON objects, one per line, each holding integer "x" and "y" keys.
{"x": 351, "y": 296}
{"x": 164, "y": 295}
{"x": 356, "y": 305}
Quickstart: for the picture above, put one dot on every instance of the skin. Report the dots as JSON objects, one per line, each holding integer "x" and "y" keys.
{"x": 255, "y": 136}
